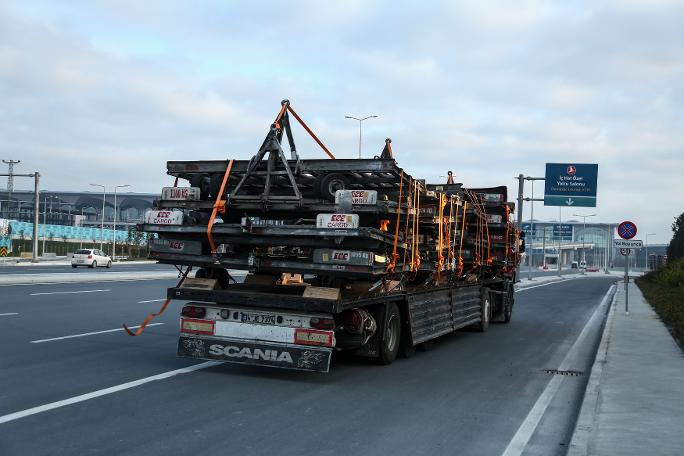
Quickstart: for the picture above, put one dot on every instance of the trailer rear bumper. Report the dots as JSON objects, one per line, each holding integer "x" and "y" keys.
{"x": 240, "y": 351}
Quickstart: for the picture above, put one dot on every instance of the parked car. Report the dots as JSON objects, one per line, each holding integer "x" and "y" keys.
{"x": 91, "y": 258}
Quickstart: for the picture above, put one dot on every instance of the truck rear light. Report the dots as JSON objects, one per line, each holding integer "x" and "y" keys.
{"x": 193, "y": 312}
{"x": 194, "y": 326}
{"x": 322, "y": 323}
{"x": 304, "y": 336}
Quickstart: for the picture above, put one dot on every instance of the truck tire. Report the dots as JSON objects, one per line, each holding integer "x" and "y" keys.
{"x": 485, "y": 310}
{"x": 508, "y": 304}
{"x": 215, "y": 185}
{"x": 391, "y": 335}
{"x": 202, "y": 182}
{"x": 330, "y": 183}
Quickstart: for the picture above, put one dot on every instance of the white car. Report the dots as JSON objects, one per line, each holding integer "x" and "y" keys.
{"x": 91, "y": 258}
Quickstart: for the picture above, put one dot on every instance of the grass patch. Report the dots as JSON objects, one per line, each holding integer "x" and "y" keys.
{"x": 664, "y": 290}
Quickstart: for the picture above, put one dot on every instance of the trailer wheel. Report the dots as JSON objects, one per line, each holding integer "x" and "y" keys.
{"x": 391, "y": 335}
{"x": 508, "y": 304}
{"x": 330, "y": 183}
{"x": 200, "y": 181}
{"x": 215, "y": 184}
{"x": 485, "y": 310}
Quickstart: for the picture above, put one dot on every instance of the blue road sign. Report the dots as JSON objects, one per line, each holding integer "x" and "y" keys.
{"x": 527, "y": 228}
{"x": 562, "y": 231}
{"x": 568, "y": 184}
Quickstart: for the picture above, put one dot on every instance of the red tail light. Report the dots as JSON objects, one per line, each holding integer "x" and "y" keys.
{"x": 90, "y": 257}
{"x": 322, "y": 323}
{"x": 194, "y": 311}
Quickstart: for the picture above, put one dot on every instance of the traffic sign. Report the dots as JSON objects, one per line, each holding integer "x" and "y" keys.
{"x": 628, "y": 243}
{"x": 625, "y": 252}
{"x": 627, "y": 230}
{"x": 568, "y": 184}
{"x": 562, "y": 231}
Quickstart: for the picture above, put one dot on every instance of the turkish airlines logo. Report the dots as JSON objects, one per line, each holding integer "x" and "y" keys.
{"x": 571, "y": 170}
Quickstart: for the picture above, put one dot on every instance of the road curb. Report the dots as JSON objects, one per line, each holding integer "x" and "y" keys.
{"x": 586, "y": 420}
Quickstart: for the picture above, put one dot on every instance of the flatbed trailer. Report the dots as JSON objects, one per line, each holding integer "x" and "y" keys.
{"x": 339, "y": 254}
{"x": 299, "y": 327}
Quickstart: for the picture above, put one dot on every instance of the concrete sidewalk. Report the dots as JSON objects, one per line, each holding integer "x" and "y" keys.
{"x": 634, "y": 402}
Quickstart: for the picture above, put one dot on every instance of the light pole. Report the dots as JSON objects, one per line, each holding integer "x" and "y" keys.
{"x": 45, "y": 209}
{"x": 114, "y": 235}
{"x": 532, "y": 233}
{"x": 104, "y": 196}
{"x": 81, "y": 243}
{"x": 649, "y": 234}
{"x": 584, "y": 233}
{"x": 360, "y": 120}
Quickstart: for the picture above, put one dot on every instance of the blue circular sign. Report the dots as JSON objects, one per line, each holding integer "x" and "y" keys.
{"x": 627, "y": 230}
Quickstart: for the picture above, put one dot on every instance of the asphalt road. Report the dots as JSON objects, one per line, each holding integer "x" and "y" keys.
{"x": 471, "y": 394}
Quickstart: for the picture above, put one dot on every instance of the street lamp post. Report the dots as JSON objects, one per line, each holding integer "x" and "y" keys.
{"x": 649, "y": 234}
{"x": 45, "y": 209}
{"x": 532, "y": 234}
{"x": 584, "y": 233}
{"x": 114, "y": 235}
{"x": 81, "y": 244}
{"x": 104, "y": 196}
{"x": 360, "y": 120}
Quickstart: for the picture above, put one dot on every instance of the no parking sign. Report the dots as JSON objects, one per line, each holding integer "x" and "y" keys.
{"x": 627, "y": 230}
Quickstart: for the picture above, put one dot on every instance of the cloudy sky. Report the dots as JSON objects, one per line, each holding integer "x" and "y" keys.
{"x": 108, "y": 91}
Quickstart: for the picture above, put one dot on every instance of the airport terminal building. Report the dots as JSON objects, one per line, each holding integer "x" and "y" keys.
{"x": 545, "y": 239}
{"x": 76, "y": 208}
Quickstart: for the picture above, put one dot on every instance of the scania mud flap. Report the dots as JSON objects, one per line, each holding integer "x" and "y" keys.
{"x": 316, "y": 359}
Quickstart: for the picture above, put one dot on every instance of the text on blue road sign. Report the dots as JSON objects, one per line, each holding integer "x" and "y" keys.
{"x": 568, "y": 184}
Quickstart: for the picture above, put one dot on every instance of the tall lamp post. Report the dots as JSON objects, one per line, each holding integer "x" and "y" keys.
{"x": 104, "y": 196}
{"x": 584, "y": 233}
{"x": 360, "y": 121}
{"x": 649, "y": 234}
{"x": 114, "y": 235}
{"x": 45, "y": 209}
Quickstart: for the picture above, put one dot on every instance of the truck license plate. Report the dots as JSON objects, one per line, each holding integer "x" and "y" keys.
{"x": 262, "y": 319}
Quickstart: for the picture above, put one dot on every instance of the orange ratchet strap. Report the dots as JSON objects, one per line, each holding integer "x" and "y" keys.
{"x": 219, "y": 206}
{"x": 161, "y": 310}
{"x": 395, "y": 256}
{"x": 308, "y": 130}
{"x": 460, "y": 247}
{"x": 409, "y": 208}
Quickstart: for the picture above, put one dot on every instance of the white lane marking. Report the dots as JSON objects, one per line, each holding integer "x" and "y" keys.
{"x": 104, "y": 392}
{"x": 8, "y": 314}
{"x": 529, "y": 425}
{"x": 83, "y": 281}
{"x": 545, "y": 284}
{"x": 40, "y": 341}
{"x": 151, "y": 300}
{"x": 67, "y": 292}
